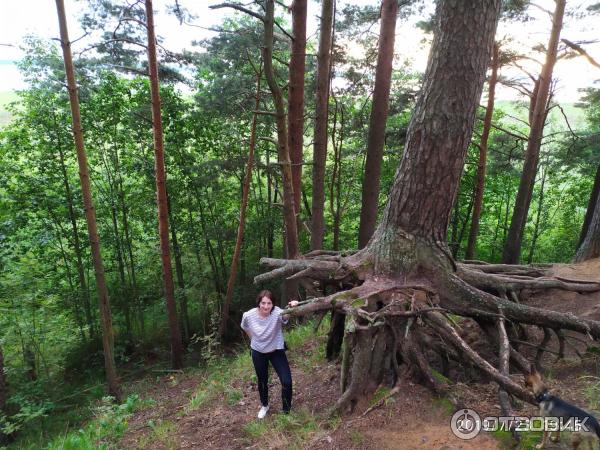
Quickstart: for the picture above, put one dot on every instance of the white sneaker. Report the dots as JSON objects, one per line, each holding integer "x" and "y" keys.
{"x": 263, "y": 412}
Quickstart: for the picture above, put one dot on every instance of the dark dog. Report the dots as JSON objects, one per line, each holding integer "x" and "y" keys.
{"x": 552, "y": 406}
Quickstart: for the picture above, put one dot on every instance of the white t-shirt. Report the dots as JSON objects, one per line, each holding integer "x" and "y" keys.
{"x": 266, "y": 333}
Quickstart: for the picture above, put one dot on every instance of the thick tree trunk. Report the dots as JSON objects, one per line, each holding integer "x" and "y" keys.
{"x": 512, "y": 249}
{"x": 590, "y": 247}
{"x": 481, "y": 164}
{"x": 296, "y": 97}
{"x": 377, "y": 124}
{"x": 161, "y": 194}
{"x": 591, "y": 208}
{"x": 440, "y": 130}
{"x": 242, "y": 220}
{"x": 320, "y": 131}
{"x": 90, "y": 214}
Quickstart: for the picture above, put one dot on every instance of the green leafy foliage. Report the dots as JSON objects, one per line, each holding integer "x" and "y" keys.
{"x": 49, "y": 327}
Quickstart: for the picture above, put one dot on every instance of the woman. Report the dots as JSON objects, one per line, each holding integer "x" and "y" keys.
{"x": 264, "y": 326}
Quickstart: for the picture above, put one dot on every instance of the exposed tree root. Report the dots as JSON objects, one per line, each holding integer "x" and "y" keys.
{"x": 406, "y": 305}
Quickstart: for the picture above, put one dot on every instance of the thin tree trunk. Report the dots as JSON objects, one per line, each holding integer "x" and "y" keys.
{"x": 84, "y": 293}
{"x": 536, "y": 228}
{"x": 377, "y": 124}
{"x": 296, "y": 98}
{"x": 481, "y": 165}
{"x": 103, "y": 300}
{"x": 72, "y": 287}
{"x": 123, "y": 291}
{"x": 463, "y": 227}
{"x": 335, "y": 187}
{"x": 242, "y": 219}
{"x": 270, "y": 200}
{"x": 210, "y": 251}
{"x": 161, "y": 194}
{"x": 289, "y": 209}
{"x": 320, "y": 131}
{"x": 129, "y": 245}
{"x": 132, "y": 293}
{"x": 3, "y": 386}
{"x": 289, "y": 217}
{"x": 453, "y": 241}
{"x": 183, "y": 306}
{"x": 512, "y": 249}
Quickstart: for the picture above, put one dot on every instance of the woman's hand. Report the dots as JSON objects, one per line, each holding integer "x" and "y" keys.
{"x": 293, "y": 304}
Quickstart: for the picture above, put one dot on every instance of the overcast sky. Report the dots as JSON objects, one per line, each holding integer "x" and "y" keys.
{"x": 21, "y": 17}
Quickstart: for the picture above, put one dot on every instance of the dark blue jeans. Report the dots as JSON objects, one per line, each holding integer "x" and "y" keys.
{"x": 280, "y": 363}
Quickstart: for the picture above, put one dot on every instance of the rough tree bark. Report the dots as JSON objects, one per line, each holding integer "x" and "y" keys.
{"x": 512, "y": 248}
{"x": 161, "y": 194}
{"x": 592, "y": 244}
{"x": 481, "y": 164}
{"x": 112, "y": 379}
{"x": 320, "y": 130}
{"x": 406, "y": 271}
{"x": 296, "y": 97}
{"x": 379, "y": 113}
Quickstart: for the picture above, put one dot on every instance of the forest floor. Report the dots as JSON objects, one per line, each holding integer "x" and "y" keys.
{"x": 216, "y": 408}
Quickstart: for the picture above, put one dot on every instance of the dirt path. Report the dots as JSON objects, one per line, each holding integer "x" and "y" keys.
{"x": 413, "y": 419}
{"x": 410, "y": 420}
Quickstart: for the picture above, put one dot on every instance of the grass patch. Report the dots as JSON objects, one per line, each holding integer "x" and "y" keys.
{"x": 163, "y": 431}
{"x": 357, "y": 437}
{"x": 444, "y": 404}
{"x": 233, "y": 397}
{"x": 592, "y": 392}
{"x": 219, "y": 377}
{"x": 256, "y": 428}
{"x": 283, "y": 430}
{"x": 297, "y": 338}
{"x": 103, "y": 432}
{"x": 379, "y": 394}
{"x": 441, "y": 378}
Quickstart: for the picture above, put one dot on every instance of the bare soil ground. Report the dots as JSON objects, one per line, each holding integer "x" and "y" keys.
{"x": 412, "y": 419}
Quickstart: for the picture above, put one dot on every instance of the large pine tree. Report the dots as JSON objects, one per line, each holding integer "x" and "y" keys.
{"x": 406, "y": 270}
